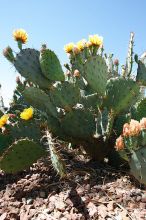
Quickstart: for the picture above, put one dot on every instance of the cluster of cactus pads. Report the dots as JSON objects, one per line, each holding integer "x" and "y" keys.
{"x": 21, "y": 144}
{"x": 21, "y": 136}
{"x": 89, "y": 103}
{"x": 132, "y": 145}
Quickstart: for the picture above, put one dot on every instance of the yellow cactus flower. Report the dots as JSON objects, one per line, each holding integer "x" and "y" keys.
{"x": 96, "y": 40}
{"x": 81, "y": 44}
{"x": 20, "y": 35}
{"x": 3, "y": 120}
{"x": 69, "y": 47}
{"x": 27, "y": 114}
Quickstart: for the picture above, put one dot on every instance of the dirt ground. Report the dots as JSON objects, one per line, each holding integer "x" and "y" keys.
{"x": 90, "y": 191}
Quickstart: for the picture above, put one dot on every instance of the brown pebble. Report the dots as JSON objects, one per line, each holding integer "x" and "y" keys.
{"x": 142, "y": 205}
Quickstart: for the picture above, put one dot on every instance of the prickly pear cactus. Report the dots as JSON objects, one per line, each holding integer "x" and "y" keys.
{"x": 89, "y": 106}
{"x": 138, "y": 164}
{"x": 5, "y": 141}
{"x": 139, "y": 110}
{"x": 65, "y": 95}
{"x": 20, "y": 155}
{"x": 50, "y": 65}
{"x": 27, "y": 64}
{"x": 132, "y": 143}
{"x": 55, "y": 156}
{"x": 120, "y": 94}
{"x": 40, "y": 100}
{"x": 95, "y": 72}
{"x": 74, "y": 122}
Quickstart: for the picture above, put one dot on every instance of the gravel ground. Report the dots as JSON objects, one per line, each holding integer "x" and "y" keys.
{"x": 90, "y": 191}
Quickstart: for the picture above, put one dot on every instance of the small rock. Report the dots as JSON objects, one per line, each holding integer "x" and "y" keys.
{"x": 142, "y": 205}
{"x": 80, "y": 191}
{"x": 46, "y": 211}
{"x": 42, "y": 194}
{"x": 3, "y": 216}
{"x": 132, "y": 205}
{"x": 60, "y": 205}
{"x": 102, "y": 211}
{"x": 138, "y": 199}
{"x": 69, "y": 202}
{"x": 110, "y": 206}
{"x": 32, "y": 212}
{"x": 143, "y": 199}
{"x": 29, "y": 201}
{"x": 87, "y": 187}
{"x": 24, "y": 200}
{"x": 52, "y": 198}
{"x": 57, "y": 214}
{"x": 92, "y": 209}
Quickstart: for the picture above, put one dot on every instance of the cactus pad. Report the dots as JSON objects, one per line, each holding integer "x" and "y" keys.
{"x": 138, "y": 164}
{"x": 5, "y": 140}
{"x": 65, "y": 95}
{"x": 20, "y": 155}
{"x": 121, "y": 93}
{"x": 79, "y": 124}
{"x": 96, "y": 74}
{"x": 141, "y": 72}
{"x": 39, "y": 99}
{"x": 50, "y": 65}
{"x": 140, "y": 110}
{"x": 91, "y": 101}
{"x": 30, "y": 129}
{"x": 56, "y": 159}
{"x": 27, "y": 64}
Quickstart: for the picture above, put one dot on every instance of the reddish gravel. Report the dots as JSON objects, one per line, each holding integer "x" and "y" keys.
{"x": 90, "y": 191}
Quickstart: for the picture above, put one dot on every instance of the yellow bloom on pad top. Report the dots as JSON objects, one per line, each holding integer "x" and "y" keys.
{"x": 27, "y": 114}
{"x": 20, "y": 35}
{"x": 3, "y": 120}
{"x": 96, "y": 40}
{"x": 81, "y": 44}
{"x": 69, "y": 47}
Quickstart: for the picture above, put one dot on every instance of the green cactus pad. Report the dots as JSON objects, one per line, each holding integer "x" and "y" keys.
{"x": 30, "y": 129}
{"x": 5, "y": 141}
{"x": 27, "y": 64}
{"x": 79, "y": 124}
{"x": 143, "y": 137}
{"x": 39, "y": 99}
{"x": 56, "y": 158}
{"x": 21, "y": 155}
{"x": 121, "y": 94}
{"x": 65, "y": 95}
{"x": 139, "y": 110}
{"x": 95, "y": 70}
{"x": 91, "y": 101}
{"x": 50, "y": 65}
{"x": 119, "y": 122}
{"x": 138, "y": 164}
{"x": 141, "y": 72}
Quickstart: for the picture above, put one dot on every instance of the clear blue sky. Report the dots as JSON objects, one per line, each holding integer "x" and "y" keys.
{"x": 57, "y": 22}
